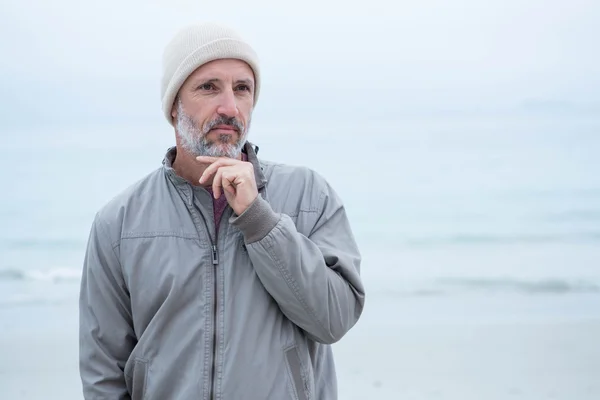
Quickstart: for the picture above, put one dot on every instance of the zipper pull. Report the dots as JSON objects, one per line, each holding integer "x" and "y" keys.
{"x": 215, "y": 255}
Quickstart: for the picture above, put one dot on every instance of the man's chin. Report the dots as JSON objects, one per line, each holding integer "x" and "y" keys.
{"x": 231, "y": 150}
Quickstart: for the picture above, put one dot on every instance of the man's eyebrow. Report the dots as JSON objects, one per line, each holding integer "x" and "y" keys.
{"x": 200, "y": 81}
{"x": 247, "y": 82}
{"x": 204, "y": 81}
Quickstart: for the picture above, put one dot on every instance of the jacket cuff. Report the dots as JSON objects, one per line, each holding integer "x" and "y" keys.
{"x": 257, "y": 221}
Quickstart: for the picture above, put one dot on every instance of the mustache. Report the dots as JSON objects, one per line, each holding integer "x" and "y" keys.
{"x": 229, "y": 121}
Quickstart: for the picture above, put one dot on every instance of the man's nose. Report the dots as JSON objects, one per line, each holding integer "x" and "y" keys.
{"x": 227, "y": 104}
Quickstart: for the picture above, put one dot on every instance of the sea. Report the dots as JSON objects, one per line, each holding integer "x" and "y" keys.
{"x": 461, "y": 219}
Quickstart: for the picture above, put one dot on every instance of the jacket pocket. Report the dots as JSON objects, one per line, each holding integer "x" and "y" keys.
{"x": 296, "y": 372}
{"x": 136, "y": 379}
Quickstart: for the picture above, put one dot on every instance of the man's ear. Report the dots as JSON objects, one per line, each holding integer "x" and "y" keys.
{"x": 174, "y": 107}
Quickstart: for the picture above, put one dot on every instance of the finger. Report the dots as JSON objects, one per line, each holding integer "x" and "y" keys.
{"x": 211, "y": 169}
{"x": 212, "y": 160}
{"x": 206, "y": 159}
{"x": 216, "y": 186}
{"x": 227, "y": 181}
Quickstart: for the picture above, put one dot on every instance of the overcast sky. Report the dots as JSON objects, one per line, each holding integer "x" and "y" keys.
{"x": 104, "y": 57}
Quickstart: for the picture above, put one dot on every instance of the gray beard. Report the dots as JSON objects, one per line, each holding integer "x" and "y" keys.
{"x": 193, "y": 139}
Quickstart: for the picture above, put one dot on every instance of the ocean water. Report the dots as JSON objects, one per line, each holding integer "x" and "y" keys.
{"x": 484, "y": 198}
{"x": 460, "y": 220}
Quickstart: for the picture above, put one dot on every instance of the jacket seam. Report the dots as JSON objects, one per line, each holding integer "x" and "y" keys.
{"x": 149, "y": 235}
{"x": 137, "y": 360}
{"x": 317, "y": 208}
{"x": 288, "y": 370}
{"x": 290, "y": 281}
{"x": 114, "y": 249}
{"x": 113, "y": 245}
{"x": 295, "y": 214}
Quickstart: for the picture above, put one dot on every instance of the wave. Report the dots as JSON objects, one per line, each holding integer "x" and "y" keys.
{"x": 42, "y": 244}
{"x": 443, "y": 286}
{"x": 49, "y": 275}
{"x": 585, "y": 215}
{"x": 485, "y": 239}
{"x": 367, "y": 231}
{"x": 40, "y": 300}
{"x": 523, "y": 286}
{"x": 449, "y": 286}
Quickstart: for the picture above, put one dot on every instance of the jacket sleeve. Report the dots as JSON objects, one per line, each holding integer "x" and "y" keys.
{"x": 106, "y": 336}
{"x": 314, "y": 278}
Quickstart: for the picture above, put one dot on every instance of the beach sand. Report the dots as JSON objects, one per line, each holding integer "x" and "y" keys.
{"x": 384, "y": 357}
{"x": 552, "y": 360}
{"x": 38, "y": 353}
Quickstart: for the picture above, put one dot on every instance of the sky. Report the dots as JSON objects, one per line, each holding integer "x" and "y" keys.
{"x": 68, "y": 60}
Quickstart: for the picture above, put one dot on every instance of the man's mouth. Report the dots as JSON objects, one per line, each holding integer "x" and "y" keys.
{"x": 228, "y": 128}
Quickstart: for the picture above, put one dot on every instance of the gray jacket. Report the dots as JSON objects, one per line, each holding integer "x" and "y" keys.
{"x": 170, "y": 310}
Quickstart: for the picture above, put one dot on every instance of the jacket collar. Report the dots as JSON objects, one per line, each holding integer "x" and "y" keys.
{"x": 250, "y": 149}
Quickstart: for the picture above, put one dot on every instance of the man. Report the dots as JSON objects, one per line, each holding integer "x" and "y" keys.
{"x": 218, "y": 275}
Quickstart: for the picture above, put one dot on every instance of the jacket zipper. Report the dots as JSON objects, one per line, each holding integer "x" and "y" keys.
{"x": 215, "y": 263}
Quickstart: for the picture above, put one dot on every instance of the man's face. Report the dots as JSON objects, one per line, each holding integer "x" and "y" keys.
{"x": 213, "y": 109}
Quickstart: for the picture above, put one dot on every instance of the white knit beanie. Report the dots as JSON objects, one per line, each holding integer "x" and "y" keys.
{"x": 196, "y": 45}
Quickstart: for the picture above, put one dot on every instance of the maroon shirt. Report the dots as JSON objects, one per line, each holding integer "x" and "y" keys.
{"x": 220, "y": 204}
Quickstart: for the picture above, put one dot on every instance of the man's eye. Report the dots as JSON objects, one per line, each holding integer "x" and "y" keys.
{"x": 243, "y": 88}
{"x": 206, "y": 86}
